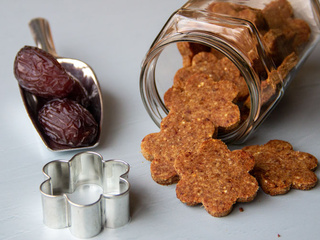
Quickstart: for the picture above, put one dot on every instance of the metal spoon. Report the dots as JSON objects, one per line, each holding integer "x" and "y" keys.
{"x": 41, "y": 32}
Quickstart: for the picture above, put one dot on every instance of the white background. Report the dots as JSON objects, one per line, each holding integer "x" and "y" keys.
{"x": 113, "y": 37}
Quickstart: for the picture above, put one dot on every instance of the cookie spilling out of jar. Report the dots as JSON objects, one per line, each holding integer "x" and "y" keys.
{"x": 209, "y": 96}
{"x": 63, "y": 103}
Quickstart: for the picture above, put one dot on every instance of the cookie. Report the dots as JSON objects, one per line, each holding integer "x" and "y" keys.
{"x": 278, "y": 168}
{"x": 216, "y": 177}
{"x": 213, "y": 100}
{"x": 274, "y": 41}
{"x": 188, "y": 50}
{"x": 176, "y": 136}
{"x": 229, "y": 72}
{"x": 279, "y": 15}
{"x": 216, "y": 68}
{"x": 173, "y": 98}
{"x": 220, "y": 69}
{"x": 204, "y": 98}
{"x": 277, "y": 12}
{"x": 253, "y": 15}
{"x": 298, "y": 31}
{"x": 203, "y": 106}
{"x": 288, "y": 64}
{"x": 275, "y": 78}
{"x": 203, "y": 62}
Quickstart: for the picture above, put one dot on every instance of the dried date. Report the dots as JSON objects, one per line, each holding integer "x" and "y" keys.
{"x": 40, "y": 73}
{"x": 68, "y": 123}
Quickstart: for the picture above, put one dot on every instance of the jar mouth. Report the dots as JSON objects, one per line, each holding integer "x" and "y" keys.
{"x": 156, "y": 62}
{"x": 267, "y": 56}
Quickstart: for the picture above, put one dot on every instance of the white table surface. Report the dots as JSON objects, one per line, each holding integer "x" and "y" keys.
{"x": 113, "y": 37}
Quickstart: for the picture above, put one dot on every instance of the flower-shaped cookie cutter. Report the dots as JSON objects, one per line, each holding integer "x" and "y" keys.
{"x": 67, "y": 180}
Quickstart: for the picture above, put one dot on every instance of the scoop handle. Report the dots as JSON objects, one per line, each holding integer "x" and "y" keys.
{"x": 40, "y": 30}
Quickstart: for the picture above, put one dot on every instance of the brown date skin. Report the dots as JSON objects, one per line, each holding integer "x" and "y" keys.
{"x": 40, "y": 73}
{"x": 68, "y": 123}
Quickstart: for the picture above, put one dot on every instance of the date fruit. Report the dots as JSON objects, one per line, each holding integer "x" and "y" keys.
{"x": 68, "y": 123}
{"x": 40, "y": 73}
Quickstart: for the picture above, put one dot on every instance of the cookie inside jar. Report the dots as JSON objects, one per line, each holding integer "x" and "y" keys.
{"x": 186, "y": 80}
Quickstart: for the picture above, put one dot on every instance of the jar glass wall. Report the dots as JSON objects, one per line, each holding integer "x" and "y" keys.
{"x": 257, "y": 45}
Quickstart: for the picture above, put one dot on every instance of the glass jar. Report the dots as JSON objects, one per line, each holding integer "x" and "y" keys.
{"x": 267, "y": 41}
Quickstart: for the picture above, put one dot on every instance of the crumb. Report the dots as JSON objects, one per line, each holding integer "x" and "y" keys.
{"x": 241, "y": 209}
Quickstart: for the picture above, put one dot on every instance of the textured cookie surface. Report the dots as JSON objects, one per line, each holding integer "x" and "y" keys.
{"x": 204, "y": 98}
{"x": 278, "y": 168}
{"x": 216, "y": 68}
{"x": 216, "y": 177}
{"x": 176, "y": 136}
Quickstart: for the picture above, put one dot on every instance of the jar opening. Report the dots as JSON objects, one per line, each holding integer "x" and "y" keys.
{"x": 165, "y": 65}
{"x": 258, "y": 48}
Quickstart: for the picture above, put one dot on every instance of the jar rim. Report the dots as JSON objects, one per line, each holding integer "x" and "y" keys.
{"x": 157, "y": 109}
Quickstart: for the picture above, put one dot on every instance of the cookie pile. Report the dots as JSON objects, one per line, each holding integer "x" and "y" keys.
{"x": 210, "y": 96}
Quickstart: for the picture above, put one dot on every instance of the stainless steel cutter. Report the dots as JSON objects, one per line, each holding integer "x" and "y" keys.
{"x": 86, "y": 194}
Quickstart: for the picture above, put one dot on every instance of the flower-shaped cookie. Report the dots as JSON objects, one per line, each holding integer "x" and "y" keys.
{"x": 189, "y": 49}
{"x": 177, "y": 135}
{"x": 204, "y": 98}
{"x": 65, "y": 204}
{"x": 279, "y": 168}
{"x": 216, "y": 177}
{"x": 216, "y": 68}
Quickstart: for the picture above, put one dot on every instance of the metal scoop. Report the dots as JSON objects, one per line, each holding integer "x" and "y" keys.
{"x": 41, "y": 32}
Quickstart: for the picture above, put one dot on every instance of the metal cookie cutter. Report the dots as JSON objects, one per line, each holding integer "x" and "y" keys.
{"x": 107, "y": 205}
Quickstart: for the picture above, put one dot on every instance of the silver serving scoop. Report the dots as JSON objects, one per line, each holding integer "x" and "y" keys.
{"x": 41, "y": 32}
